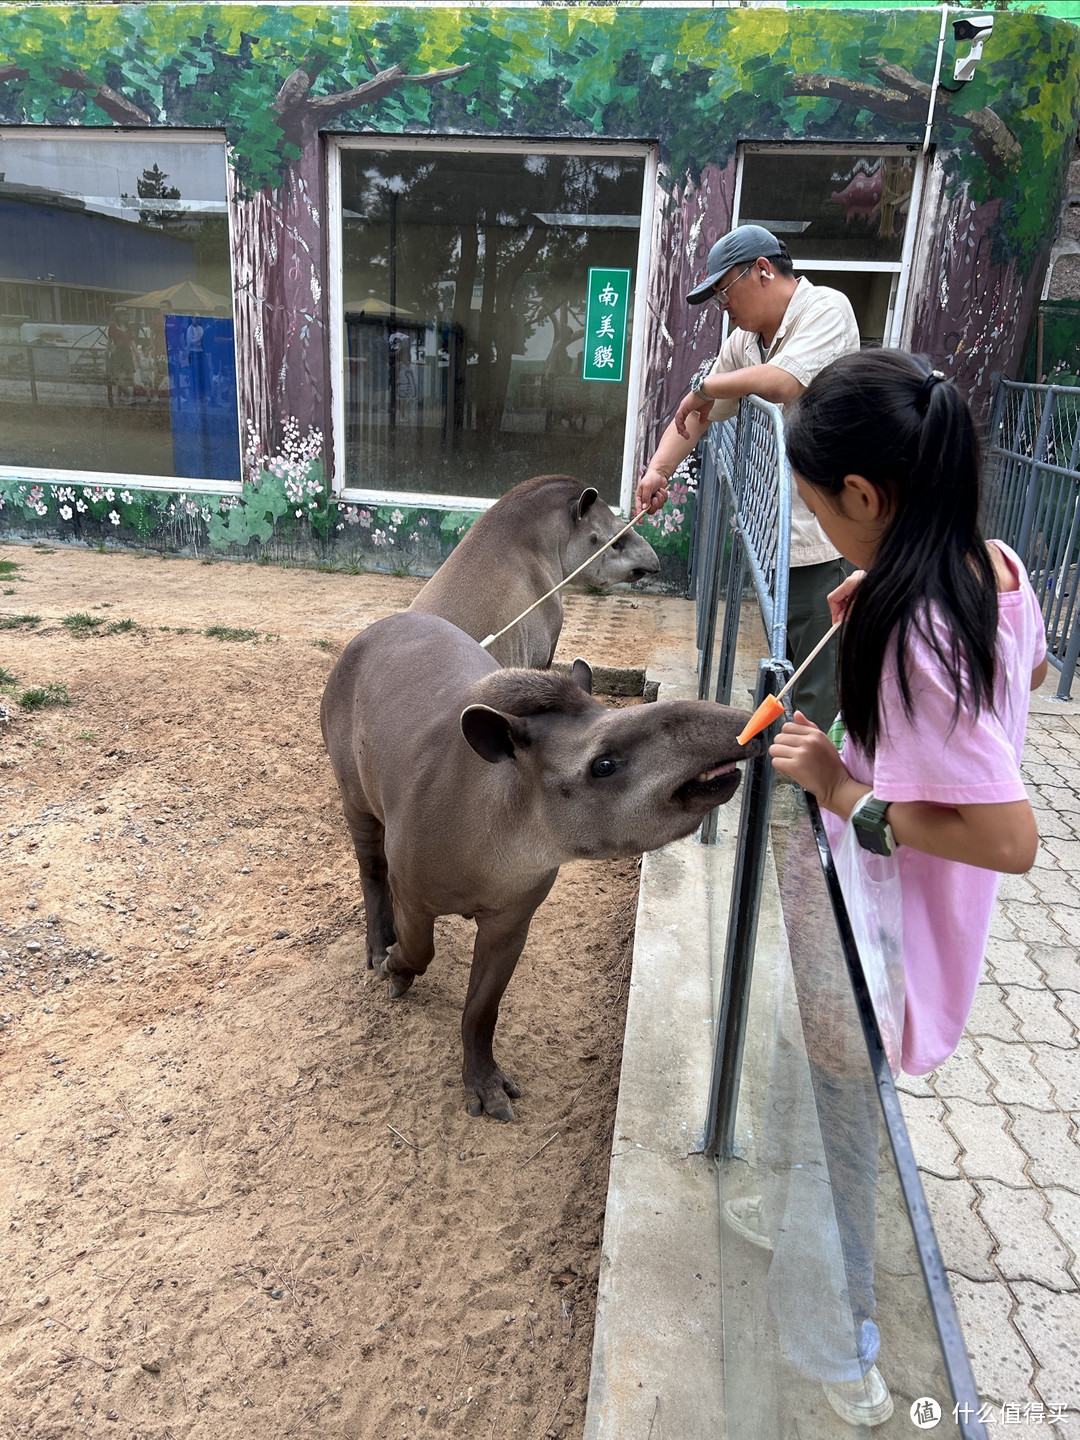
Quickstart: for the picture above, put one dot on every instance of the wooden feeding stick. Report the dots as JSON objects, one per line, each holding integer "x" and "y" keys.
{"x": 771, "y": 708}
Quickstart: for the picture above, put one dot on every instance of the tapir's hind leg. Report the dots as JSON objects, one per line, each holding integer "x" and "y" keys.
{"x": 500, "y": 940}
{"x": 367, "y": 837}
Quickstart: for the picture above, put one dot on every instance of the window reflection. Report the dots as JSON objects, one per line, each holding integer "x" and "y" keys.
{"x": 116, "y": 331}
{"x": 830, "y": 207}
{"x": 465, "y": 288}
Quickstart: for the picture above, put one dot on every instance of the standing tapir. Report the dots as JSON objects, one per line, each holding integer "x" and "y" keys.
{"x": 466, "y": 786}
{"x": 536, "y": 535}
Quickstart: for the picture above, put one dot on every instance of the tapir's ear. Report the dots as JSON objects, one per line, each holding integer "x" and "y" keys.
{"x": 490, "y": 733}
{"x": 581, "y": 674}
{"x": 584, "y": 503}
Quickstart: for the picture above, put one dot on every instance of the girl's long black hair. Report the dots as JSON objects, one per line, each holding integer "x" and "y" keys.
{"x": 885, "y": 416}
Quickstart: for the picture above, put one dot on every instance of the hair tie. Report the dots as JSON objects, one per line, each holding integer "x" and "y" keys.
{"x": 922, "y": 399}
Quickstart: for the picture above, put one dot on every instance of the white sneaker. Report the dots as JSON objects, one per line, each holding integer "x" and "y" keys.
{"x": 743, "y": 1215}
{"x": 860, "y": 1402}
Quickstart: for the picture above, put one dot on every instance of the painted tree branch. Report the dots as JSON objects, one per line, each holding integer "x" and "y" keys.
{"x": 115, "y": 105}
{"x": 300, "y": 114}
{"x": 903, "y": 97}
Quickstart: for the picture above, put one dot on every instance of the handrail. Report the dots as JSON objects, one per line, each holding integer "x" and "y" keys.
{"x": 1033, "y": 503}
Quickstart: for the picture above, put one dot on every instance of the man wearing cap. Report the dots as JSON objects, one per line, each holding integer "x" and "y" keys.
{"x": 783, "y": 331}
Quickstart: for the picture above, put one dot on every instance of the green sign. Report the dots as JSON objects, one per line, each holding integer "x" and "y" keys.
{"x": 605, "y": 325}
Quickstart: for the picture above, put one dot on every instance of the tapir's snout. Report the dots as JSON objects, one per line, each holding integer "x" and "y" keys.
{"x": 715, "y": 784}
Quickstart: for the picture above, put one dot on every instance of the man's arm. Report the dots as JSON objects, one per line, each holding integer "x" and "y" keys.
{"x": 770, "y": 382}
{"x": 693, "y": 418}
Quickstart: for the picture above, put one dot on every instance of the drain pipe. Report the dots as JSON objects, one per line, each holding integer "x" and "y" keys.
{"x": 937, "y": 75}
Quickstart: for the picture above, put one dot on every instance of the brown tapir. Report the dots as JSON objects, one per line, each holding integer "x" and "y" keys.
{"x": 536, "y": 535}
{"x": 466, "y": 786}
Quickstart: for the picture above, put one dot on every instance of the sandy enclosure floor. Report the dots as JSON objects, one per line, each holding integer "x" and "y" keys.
{"x": 239, "y": 1189}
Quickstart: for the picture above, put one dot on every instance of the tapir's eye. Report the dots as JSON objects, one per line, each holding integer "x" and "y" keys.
{"x": 618, "y": 545}
{"x": 603, "y": 767}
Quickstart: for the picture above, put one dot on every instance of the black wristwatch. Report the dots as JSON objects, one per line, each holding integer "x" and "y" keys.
{"x": 872, "y": 830}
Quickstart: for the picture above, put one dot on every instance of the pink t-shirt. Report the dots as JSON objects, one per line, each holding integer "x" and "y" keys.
{"x": 947, "y": 905}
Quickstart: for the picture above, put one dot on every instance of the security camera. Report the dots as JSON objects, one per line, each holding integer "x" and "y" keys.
{"x": 975, "y": 28}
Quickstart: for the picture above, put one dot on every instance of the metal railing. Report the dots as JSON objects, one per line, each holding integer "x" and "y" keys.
{"x": 1033, "y": 503}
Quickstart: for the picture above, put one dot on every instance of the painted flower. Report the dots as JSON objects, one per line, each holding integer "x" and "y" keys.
{"x": 114, "y": 517}
{"x": 65, "y": 512}
{"x": 125, "y": 496}
{"x": 80, "y": 506}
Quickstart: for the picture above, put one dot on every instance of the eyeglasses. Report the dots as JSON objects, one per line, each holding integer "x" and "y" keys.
{"x": 722, "y": 298}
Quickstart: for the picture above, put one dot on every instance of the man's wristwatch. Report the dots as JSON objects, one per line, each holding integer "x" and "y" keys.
{"x": 698, "y": 381}
{"x": 872, "y": 830}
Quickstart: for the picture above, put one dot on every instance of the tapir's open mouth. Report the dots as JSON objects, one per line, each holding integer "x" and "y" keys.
{"x": 715, "y": 785}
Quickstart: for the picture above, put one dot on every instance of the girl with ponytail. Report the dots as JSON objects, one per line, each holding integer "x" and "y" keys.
{"x": 941, "y": 644}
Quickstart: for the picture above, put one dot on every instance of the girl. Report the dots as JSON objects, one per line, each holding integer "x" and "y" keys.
{"x": 942, "y": 642}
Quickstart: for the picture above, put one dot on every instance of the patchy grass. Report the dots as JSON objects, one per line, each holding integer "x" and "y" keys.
{"x": 120, "y": 627}
{"x": 8, "y": 568}
{"x": 14, "y": 622}
{"x": 230, "y": 632}
{"x": 40, "y": 697}
{"x": 81, "y": 623}
{"x": 7, "y": 677}
{"x": 327, "y": 645}
{"x": 87, "y": 735}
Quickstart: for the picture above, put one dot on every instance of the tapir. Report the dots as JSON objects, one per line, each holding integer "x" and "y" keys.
{"x": 536, "y": 535}
{"x": 466, "y": 785}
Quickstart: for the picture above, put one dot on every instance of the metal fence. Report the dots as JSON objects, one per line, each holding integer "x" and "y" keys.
{"x": 1033, "y": 503}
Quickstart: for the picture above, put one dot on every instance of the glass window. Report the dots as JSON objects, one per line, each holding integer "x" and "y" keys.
{"x": 830, "y": 206}
{"x": 465, "y": 280}
{"x": 116, "y": 329}
{"x": 823, "y": 1273}
{"x": 844, "y": 216}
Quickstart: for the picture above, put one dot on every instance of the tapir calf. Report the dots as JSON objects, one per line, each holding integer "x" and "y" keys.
{"x": 536, "y": 535}
{"x": 466, "y": 786}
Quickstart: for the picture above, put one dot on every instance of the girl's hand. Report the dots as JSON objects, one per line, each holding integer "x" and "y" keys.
{"x": 811, "y": 759}
{"x": 840, "y": 598}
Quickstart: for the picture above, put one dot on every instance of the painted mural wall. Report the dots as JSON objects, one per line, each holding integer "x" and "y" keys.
{"x": 275, "y": 80}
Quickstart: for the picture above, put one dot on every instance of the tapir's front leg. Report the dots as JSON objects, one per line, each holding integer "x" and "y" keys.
{"x": 500, "y": 939}
{"x": 412, "y": 951}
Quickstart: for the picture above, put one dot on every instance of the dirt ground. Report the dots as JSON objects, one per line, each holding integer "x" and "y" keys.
{"x": 239, "y": 1190}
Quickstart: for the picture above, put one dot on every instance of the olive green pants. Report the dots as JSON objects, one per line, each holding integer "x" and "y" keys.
{"x": 808, "y": 620}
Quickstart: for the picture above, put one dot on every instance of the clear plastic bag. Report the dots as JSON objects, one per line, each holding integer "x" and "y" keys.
{"x": 871, "y": 889}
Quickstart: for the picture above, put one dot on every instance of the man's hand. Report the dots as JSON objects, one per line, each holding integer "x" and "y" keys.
{"x": 652, "y": 491}
{"x": 692, "y": 404}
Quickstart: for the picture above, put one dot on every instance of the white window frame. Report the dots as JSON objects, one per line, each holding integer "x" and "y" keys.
{"x": 451, "y": 144}
{"x": 899, "y": 269}
{"x": 123, "y": 480}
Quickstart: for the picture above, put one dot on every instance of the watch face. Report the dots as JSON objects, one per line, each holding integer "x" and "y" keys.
{"x": 878, "y": 839}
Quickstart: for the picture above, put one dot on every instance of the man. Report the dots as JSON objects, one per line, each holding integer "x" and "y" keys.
{"x": 783, "y": 331}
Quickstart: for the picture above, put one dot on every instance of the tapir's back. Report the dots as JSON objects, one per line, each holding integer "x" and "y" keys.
{"x": 394, "y": 699}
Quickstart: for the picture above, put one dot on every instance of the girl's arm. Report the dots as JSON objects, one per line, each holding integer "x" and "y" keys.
{"x": 994, "y": 837}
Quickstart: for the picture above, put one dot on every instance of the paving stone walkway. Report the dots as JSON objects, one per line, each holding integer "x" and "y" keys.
{"x": 996, "y": 1130}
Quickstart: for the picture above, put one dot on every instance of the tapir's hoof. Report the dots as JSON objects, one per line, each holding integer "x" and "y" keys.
{"x": 489, "y": 1097}
{"x": 399, "y": 984}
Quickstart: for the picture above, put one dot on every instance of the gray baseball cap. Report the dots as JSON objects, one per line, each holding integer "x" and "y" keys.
{"x": 740, "y": 246}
